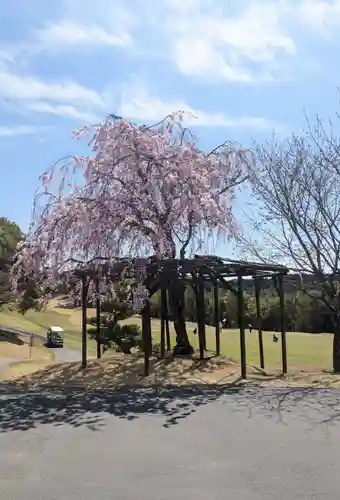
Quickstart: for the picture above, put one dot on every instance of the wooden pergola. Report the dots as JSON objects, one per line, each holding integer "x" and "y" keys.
{"x": 199, "y": 272}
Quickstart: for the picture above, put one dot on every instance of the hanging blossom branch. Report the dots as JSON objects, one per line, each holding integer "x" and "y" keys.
{"x": 143, "y": 189}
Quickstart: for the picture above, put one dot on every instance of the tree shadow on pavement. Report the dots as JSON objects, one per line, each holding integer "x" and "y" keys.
{"x": 22, "y": 410}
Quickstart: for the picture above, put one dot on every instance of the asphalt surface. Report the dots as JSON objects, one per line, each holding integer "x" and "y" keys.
{"x": 64, "y": 354}
{"x": 211, "y": 444}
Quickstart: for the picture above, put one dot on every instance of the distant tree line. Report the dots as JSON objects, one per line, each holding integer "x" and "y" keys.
{"x": 303, "y": 312}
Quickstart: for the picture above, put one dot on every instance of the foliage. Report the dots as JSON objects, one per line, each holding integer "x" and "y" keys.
{"x": 118, "y": 303}
{"x": 29, "y": 299}
{"x": 125, "y": 337}
{"x": 10, "y": 235}
{"x": 301, "y": 312}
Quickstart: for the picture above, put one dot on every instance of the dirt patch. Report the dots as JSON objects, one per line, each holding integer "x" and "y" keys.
{"x": 120, "y": 370}
{"x": 20, "y": 369}
{"x": 123, "y": 370}
{"x": 23, "y": 351}
{"x": 22, "y": 359}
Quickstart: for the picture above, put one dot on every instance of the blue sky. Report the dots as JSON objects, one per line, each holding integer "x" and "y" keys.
{"x": 244, "y": 67}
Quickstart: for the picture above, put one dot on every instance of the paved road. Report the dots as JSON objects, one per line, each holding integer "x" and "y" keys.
{"x": 216, "y": 444}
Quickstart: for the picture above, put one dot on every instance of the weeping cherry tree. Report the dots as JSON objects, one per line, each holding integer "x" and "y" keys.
{"x": 143, "y": 190}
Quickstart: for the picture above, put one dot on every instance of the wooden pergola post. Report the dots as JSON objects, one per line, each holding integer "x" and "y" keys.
{"x": 166, "y": 320}
{"x": 98, "y": 332}
{"x": 283, "y": 324}
{"x": 163, "y": 321}
{"x": 201, "y": 316}
{"x": 146, "y": 336}
{"x": 257, "y": 281}
{"x": 241, "y": 326}
{"x": 217, "y": 320}
{"x": 167, "y": 334}
{"x": 84, "y": 290}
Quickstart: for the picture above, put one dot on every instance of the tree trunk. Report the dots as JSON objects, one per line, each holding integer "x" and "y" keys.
{"x": 336, "y": 350}
{"x": 176, "y": 302}
{"x": 335, "y": 322}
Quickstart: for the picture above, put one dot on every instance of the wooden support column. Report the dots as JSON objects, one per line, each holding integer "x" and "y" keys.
{"x": 217, "y": 319}
{"x": 242, "y": 328}
{"x": 257, "y": 281}
{"x": 98, "y": 333}
{"x": 146, "y": 337}
{"x": 283, "y": 324}
{"x": 84, "y": 289}
{"x": 201, "y": 317}
{"x": 163, "y": 321}
{"x": 166, "y": 319}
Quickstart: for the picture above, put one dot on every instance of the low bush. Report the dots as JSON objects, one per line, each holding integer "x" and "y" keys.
{"x": 124, "y": 337}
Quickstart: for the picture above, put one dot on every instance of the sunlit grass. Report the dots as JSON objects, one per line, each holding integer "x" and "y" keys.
{"x": 303, "y": 349}
{"x": 40, "y": 321}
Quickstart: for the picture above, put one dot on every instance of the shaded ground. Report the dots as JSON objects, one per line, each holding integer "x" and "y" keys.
{"x": 64, "y": 393}
{"x": 192, "y": 443}
{"x": 23, "y": 410}
{"x": 119, "y": 370}
{"x": 116, "y": 370}
{"x": 191, "y": 430}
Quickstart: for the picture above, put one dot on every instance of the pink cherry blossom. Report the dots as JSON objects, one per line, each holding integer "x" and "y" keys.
{"x": 142, "y": 190}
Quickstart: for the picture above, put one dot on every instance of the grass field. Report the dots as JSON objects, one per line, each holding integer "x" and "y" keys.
{"x": 23, "y": 368}
{"x": 22, "y": 351}
{"x": 303, "y": 349}
{"x": 21, "y": 358}
{"x": 38, "y": 322}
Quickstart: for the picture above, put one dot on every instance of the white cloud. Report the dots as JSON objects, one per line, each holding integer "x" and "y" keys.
{"x": 242, "y": 41}
{"x": 320, "y": 15}
{"x": 71, "y": 100}
{"x": 137, "y": 104}
{"x": 66, "y": 98}
{"x": 67, "y": 33}
{"x": 18, "y": 130}
{"x": 63, "y": 110}
{"x": 29, "y": 87}
{"x": 209, "y": 39}
{"x": 197, "y": 57}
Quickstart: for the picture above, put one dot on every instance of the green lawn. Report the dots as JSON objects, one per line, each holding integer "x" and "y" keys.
{"x": 303, "y": 349}
{"x": 38, "y": 322}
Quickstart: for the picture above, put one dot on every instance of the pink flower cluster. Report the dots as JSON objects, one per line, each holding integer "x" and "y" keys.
{"x": 141, "y": 190}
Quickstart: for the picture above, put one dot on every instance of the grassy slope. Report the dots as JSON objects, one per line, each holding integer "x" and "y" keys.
{"x": 23, "y": 368}
{"x": 303, "y": 348}
{"x": 27, "y": 360}
{"x": 38, "y": 322}
{"x": 24, "y": 352}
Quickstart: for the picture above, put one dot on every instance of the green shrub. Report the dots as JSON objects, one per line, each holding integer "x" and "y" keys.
{"x": 124, "y": 337}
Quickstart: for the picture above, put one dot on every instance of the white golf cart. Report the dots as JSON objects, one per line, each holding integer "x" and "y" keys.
{"x": 55, "y": 337}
